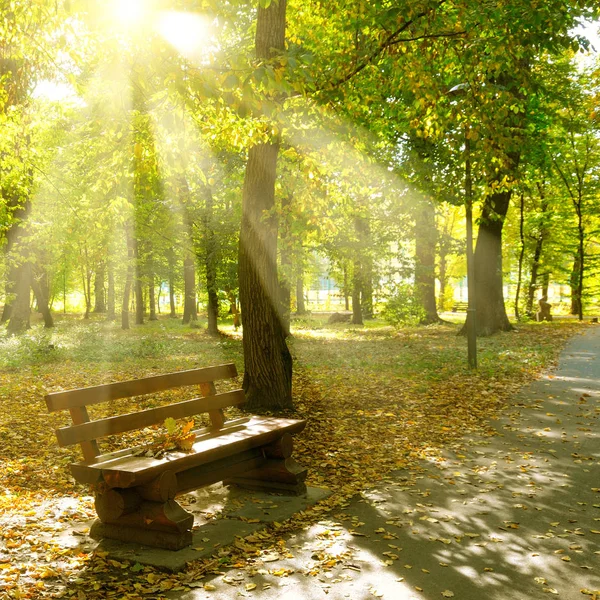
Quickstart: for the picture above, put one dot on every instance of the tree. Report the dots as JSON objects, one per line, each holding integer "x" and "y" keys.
{"x": 267, "y": 359}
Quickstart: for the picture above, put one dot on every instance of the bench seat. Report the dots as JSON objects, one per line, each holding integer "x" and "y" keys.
{"x": 125, "y": 469}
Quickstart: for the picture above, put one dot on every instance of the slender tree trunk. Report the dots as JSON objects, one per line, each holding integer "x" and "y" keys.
{"x": 576, "y": 307}
{"x": 110, "y": 293}
{"x": 300, "y": 304}
{"x": 285, "y": 264}
{"x": 189, "y": 284}
{"x": 537, "y": 252}
{"x": 535, "y": 266}
{"x": 86, "y": 281}
{"x": 267, "y": 359}
{"x": 152, "y": 296}
{"x": 138, "y": 283}
{"x": 39, "y": 285}
{"x": 171, "y": 260}
{"x": 99, "y": 297}
{"x": 173, "y": 312}
{"x": 357, "y": 316}
{"x": 346, "y": 289}
{"x": 443, "y": 279}
{"x": 521, "y": 255}
{"x": 128, "y": 279}
{"x": 581, "y": 253}
{"x": 211, "y": 265}
{"x": 425, "y": 243}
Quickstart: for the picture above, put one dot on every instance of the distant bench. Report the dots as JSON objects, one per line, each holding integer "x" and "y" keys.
{"x": 460, "y": 306}
{"x": 135, "y": 493}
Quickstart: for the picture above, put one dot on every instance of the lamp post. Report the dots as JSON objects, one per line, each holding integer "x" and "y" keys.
{"x": 461, "y": 89}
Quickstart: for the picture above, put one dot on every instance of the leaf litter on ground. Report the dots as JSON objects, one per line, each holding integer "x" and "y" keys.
{"x": 375, "y": 400}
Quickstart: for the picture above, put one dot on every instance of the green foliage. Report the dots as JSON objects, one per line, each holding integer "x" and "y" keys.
{"x": 403, "y": 307}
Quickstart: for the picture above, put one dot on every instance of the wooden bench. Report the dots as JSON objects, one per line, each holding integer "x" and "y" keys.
{"x": 135, "y": 493}
{"x": 460, "y": 307}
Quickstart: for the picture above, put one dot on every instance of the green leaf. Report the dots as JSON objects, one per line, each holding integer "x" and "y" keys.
{"x": 171, "y": 425}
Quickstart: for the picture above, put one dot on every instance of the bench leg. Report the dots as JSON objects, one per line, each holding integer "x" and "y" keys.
{"x": 284, "y": 476}
{"x": 125, "y": 516}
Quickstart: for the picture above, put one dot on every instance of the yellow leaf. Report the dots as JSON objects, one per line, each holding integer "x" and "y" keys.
{"x": 250, "y": 587}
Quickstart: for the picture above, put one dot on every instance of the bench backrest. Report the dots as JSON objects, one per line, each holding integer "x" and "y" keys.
{"x": 86, "y": 432}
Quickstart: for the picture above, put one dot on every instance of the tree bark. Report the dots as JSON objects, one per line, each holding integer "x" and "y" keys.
{"x": 110, "y": 292}
{"x": 138, "y": 284}
{"x": 346, "y": 288}
{"x": 99, "y": 297}
{"x": 521, "y": 255}
{"x": 489, "y": 296}
{"x": 357, "y": 316}
{"x": 128, "y": 279}
{"x": 152, "y": 296}
{"x": 210, "y": 264}
{"x": 267, "y": 359}
{"x": 171, "y": 259}
{"x": 189, "y": 292}
{"x": 425, "y": 243}
{"x": 300, "y": 304}
{"x": 39, "y": 284}
{"x": 20, "y": 307}
{"x": 285, "y": 264}
{"x": 537, "y": 252}
{"x": 576, "y": 307}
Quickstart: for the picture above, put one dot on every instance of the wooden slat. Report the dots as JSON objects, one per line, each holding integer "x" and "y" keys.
{"x": 136, "y": 387}
{"x": 79, "y": 415}
{"x": 217, "y": 418}
{"x": 112, "y": 425}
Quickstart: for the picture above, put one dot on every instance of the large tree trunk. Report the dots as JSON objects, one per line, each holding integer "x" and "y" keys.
{"x": 489, "y": 298}
{"x": 267, "y": 359}
{"x": 425, "y": 243}
{"x": 210, "y": 264}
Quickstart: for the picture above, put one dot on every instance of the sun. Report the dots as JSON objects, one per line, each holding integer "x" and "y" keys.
{"x": 189, "y": 33}
{"x": 130, "y": 13}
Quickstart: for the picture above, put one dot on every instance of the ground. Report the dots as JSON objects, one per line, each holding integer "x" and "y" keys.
{"x": 378, "y": 401}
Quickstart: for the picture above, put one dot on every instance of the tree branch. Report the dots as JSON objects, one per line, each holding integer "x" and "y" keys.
{"x": 390, "y": 40}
